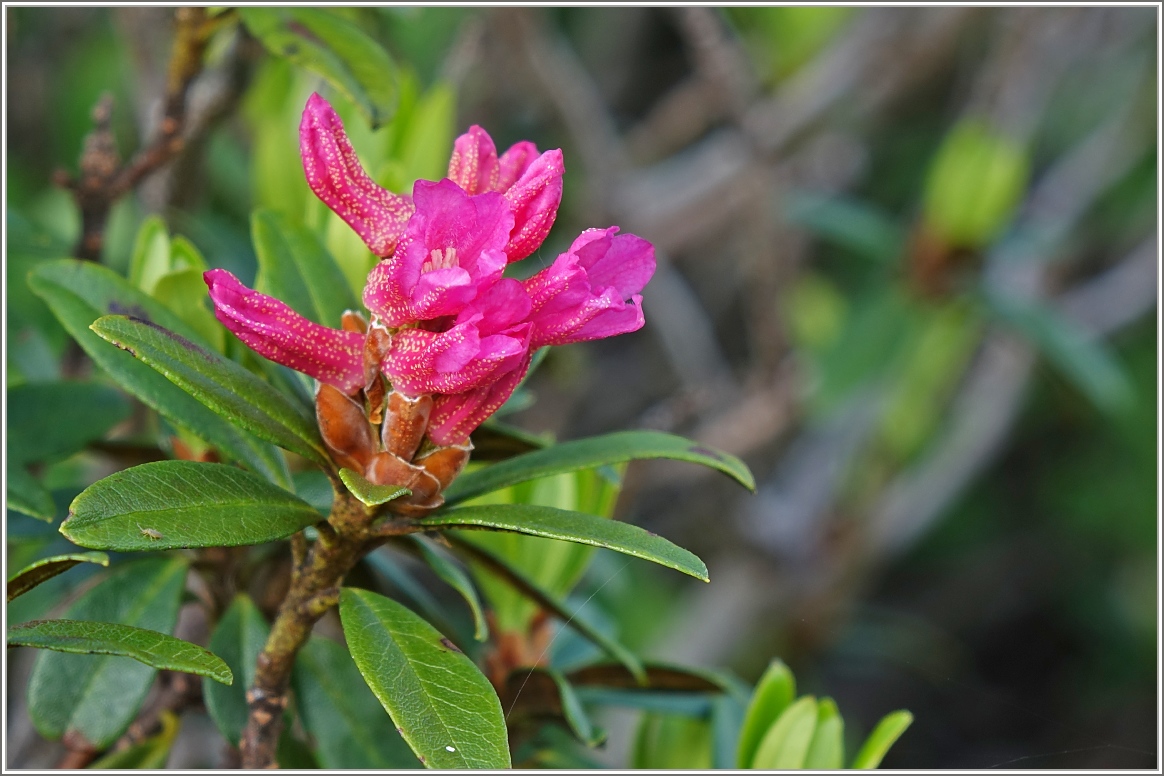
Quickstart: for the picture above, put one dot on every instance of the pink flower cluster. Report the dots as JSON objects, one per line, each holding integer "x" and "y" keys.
{"x": 447, "y": 323}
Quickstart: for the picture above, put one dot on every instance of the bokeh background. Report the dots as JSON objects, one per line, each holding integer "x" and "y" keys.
{"x": 908, "y": 270}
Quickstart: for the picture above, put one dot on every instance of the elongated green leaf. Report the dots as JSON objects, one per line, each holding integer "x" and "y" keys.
{"x": 573, "y": 527}
{"x": 26, "y": 495}
{"x": 333, "y": 47}
{"x": 456, "y": 577}
{"x": 727, "y": 719}
{"x": 31, "y": 576}
{"x": 441, "y": 703}
{"x": 81, "y": 292}
{"x": 51, "y": 420}
{"x": 827, "y": 750}
{"x": 155, "y": 649}
{"x": 1085, "y": 360}
{"x": 238, "y": 639}
{"x": 370, "y": 494}
{"x": 150, "y": 259}
{"x": 519, "y": 582}
{"x": 855, "y": 225}
{"x": 668, "y": 742}
{"x": 774, "y": 693}
{"x": 96, "y": 697}
{"x": 341, "y": 713}
{"x": 786, "y": 743}
{"x": 150, "y": 754}
{"x": 888, "y": 730}
{"x": 169, "y": 504}
{"x": 538, "y": 693}
{"x": 554, "y": 566}
{"x": 222, "y": 385}
{"x": 294, "y": 266}
{"x": 589, "y": 453}
{"x": 661, "y": 677}
{"x": 184, "y": 292}
{"x": 496, "y": 441}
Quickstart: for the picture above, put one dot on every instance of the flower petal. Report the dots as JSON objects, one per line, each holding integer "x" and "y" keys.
{"x": 277, "y": 332}
{"x": 335, "y": 175}
{"x": 534, "y": 198}
{"x": 456, "y": 416}
{"x": 452, "y": 361}
{"x": 514, "y": 163}
{"x": 455, "y": 238}
{"x": 583, "y": 294}
{"x": 474, "y": 164}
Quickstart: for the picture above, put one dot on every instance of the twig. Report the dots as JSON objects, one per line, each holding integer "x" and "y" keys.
{"x": 103, "y": 178}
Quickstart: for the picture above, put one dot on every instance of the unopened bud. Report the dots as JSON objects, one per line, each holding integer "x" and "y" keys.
{"x": 344, "y": 428}
{"x": 405, "y": 424}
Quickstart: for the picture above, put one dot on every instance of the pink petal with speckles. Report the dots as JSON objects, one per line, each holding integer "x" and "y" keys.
{"x": 514, "y": 163}
{"x": 277, "y": 332}
{"x": 456, "y": 416}
{"x": 474, "y": 164}
{"x": 534, "y": 197}
{"x": 453, "y": 361}
{"x": 335, "y": 175}
{"x": 592, "y": 290}
{"x": 451, "y": 250}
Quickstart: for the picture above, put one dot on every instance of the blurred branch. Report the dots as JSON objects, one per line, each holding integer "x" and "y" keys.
{"x": 103, "y": 178}
{"x": 901, "y": 46}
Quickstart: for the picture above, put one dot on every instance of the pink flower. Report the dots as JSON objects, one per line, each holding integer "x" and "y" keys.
{"x": 277, "y": 332}
{"x": 451, "y": 250}
{"x": 531, "y": 183}
{"x": 591, "y": 291}
{"x": 446, "y": 323}
{"x": 335, "y": 175}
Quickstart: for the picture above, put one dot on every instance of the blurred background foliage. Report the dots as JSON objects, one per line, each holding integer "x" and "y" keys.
{"x": 908, "y": 269}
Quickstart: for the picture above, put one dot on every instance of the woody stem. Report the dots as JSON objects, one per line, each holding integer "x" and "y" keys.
{"x": 315, "y": 585}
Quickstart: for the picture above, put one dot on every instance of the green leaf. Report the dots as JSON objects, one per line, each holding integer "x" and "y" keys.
{"x": 184, "y": 292}
{"x": 519, "y": 582}
{"x": 572, "y": 527}
{"x": 370, "y": 494}
{"x": 554, "y": 566}
{"x": 727, "y": 718}
{"x": 668, "y": 742}
{"x": 53, "y": 420}
{"x": 295, "y": 267}
{"x": 785, "y": 744}
{"x": 150, "y": 754}
{"x": 42, "y": 570}
{"x": 333, "y": 47}
{"x": 150, "y": 259}
{"x": 26, "y": 495}
{"x": 342, "y": 715}
{"x": 854, "y": 225}
{"x": 169, "y": 504}
{"x": 827, "y": 750}
{"x": 443, "y": 705}
{"x": 456, "y": 578}
{"x": 888, "y": 730}
{"x": 540, "y": 693}
{"x": 96, "y": 697}
{"x": 222, "y": 385}
{"x": 80, "y": 292}
{"x": 238, "y": 639}
{"x": 774, "y": 693}
{"x": 1084, "y": 359}
{"x": 496, "y": 441}
{"x": 589, "y": 453}
{"x": 155, "y": 649}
